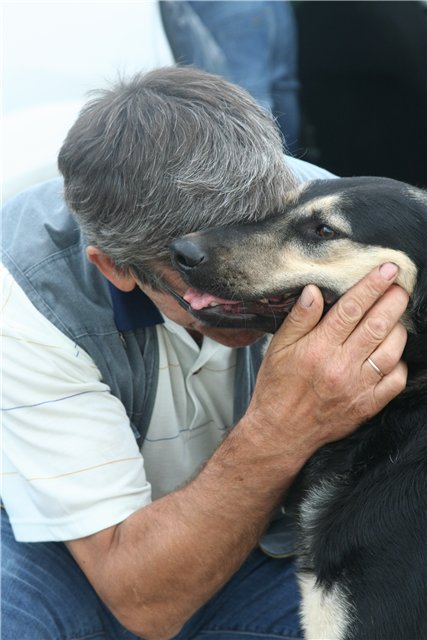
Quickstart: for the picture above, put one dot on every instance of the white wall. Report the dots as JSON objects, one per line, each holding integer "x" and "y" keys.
{"x": 53, "y": 54}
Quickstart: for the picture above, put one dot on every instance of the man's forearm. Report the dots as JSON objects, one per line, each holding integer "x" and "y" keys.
{"x": 166, "y": 560}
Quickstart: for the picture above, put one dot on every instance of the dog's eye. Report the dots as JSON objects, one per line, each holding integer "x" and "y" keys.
{"x": 325, "y": 232}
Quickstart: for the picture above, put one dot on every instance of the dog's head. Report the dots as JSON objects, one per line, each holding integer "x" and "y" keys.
{"x": 329, "y": 232}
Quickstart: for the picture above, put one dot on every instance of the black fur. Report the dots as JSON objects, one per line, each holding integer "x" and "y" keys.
{"x": 370, "y": 538}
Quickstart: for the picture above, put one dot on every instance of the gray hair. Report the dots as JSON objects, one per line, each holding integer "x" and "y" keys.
{"x": 166, "y": 153}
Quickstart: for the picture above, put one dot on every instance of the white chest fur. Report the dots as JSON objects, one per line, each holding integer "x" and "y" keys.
{"x": 325, "y": 613}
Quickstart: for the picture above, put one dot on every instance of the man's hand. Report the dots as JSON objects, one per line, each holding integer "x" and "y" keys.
{"x": 316, "y": 384}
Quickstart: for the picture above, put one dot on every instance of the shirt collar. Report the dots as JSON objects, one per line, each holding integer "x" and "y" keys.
{"x": 133, "y": 309}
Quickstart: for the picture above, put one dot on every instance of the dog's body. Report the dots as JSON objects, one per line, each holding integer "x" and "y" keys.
{"x": 360, "y": 503}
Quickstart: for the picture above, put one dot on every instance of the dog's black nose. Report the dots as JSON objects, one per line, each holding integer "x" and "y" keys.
{"x": 187, "y": 254}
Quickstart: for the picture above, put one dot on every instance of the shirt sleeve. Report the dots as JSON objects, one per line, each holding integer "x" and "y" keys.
{"x": 71, "y": 465}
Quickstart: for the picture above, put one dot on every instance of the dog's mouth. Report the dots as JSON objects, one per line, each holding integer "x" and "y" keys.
{"x": 264, "y": 314}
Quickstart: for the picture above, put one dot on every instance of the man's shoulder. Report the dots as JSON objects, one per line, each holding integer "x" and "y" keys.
{"x": 37, "y": 224}
{"x": 305, "y": 171}
{"x": 48, "y": 192}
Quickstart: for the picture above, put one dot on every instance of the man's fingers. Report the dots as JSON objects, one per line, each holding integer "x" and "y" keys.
{"x": 384, "y": 359}
{"x": 355, "y": 303}
{"x": 391, "y": 385}
{"x": 303, "y": 317}
{"x": 378, "y": 323}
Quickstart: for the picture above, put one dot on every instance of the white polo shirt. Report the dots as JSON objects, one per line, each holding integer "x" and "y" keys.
{"x": 71, "y": 465}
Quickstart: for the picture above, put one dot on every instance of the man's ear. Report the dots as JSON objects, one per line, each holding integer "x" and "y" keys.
{"x": 107, "y": 267}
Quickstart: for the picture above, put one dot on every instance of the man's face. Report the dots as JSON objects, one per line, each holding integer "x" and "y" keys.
{"x": 172, "y": 310}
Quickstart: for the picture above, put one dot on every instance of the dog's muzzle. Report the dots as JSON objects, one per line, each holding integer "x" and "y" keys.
{"x": 192, "y": 258}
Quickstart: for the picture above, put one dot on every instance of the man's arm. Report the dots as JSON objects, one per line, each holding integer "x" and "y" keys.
{"x": 155, "y": 569}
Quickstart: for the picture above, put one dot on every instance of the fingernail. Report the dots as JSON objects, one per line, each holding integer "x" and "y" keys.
{"x": 388, "y": 270}
{"x": 306, "y": 297}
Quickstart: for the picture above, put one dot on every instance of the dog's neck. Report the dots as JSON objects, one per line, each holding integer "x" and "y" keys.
{"x": 417, "y": 382}
{"x": 415, "y": 356}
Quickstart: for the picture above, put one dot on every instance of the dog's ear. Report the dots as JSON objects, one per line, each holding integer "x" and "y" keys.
{"x": 420, "y": 300}
{"x": 416, "y": 348}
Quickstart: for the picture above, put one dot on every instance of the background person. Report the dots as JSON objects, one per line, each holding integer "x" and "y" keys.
{"x": 253, "y": 44}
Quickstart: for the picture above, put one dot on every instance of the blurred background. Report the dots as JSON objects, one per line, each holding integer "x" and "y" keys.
{"x": 347, "y": 81}
{"x": 54, "y": 53}
{"x": 363, "y": 69}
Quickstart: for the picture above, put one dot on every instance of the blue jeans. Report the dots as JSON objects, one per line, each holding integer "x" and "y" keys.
{"x": 45, "y": 596}
{"x": 253, "y": 44}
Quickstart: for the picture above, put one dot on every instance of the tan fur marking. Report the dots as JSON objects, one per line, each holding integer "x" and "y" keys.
{"x": 417, "y": 194}
{"x": 345, "y": 263}
{"x": 329, "y": 208}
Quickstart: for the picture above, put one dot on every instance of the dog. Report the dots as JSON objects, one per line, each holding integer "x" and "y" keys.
{"x": 360, "y": 503}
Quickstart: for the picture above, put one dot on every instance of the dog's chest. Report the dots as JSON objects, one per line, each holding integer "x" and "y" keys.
{"x": 325, "y": 615}
{"x": 318, "y": 498}
{"x": 326, "y": 611}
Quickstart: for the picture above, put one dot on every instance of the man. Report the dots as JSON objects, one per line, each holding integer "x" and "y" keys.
{"x": 156, "y": 536}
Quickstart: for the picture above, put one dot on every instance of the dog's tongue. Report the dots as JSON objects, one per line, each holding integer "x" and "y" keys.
{"x": 199, "y": 300}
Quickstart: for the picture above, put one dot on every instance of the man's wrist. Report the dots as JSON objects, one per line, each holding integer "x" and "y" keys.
{"x": 259, "y": 462}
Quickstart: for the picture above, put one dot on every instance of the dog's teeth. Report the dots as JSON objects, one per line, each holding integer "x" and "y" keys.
{"x": 264, "y": 300}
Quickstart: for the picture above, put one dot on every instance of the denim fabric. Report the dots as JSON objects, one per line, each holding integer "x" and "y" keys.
{"x": 45, "y": 596}
{"x": 253, "y": 44}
